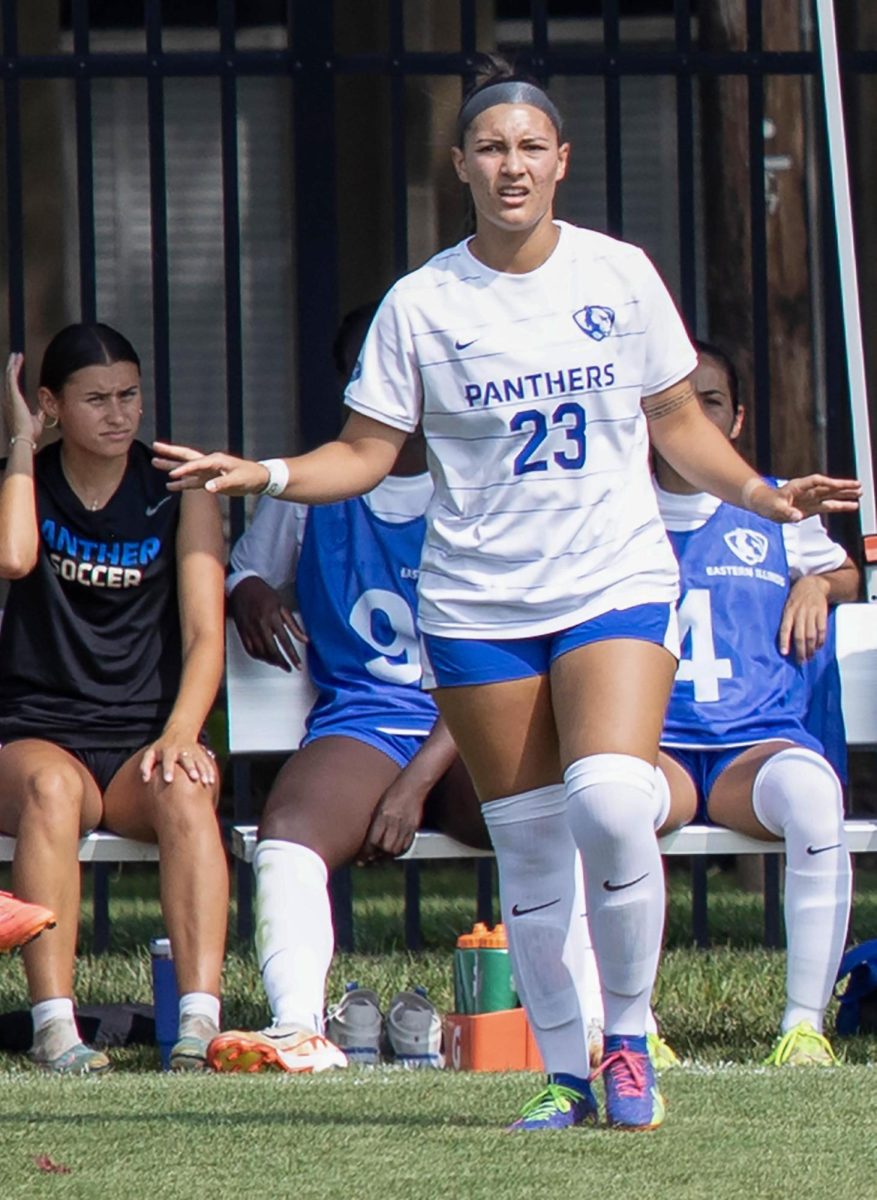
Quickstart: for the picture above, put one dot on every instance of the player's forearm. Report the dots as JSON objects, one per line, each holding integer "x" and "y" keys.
{"x": 19, "y": 536}
{"x": 336, "y": 471}
{"x": 699, "y": 452}
{"x": 199, "y": 683}
{"x": 841, "y": 586}
{"x": 432, "y": 760}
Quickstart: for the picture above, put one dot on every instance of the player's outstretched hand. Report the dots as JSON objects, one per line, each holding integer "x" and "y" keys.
{"x": 222, "y": 474}
{"x": 805, "y": 497}
{"x": 266, "y": 625}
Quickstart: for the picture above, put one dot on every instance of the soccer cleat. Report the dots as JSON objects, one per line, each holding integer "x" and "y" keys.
{"x": 556, "y": 1107}
{"x": 632, "y": 1097}
{"x": 189, "y": 1052}
{"x": 802, "y": 1046}
{"x": 58, "y": 1050}
{"x": 291, "y": 1048}
{"x": 354, "y": 1025}
{"x": 414, "y": 1030}
{"x": 662, "y": 1055}
{"x": 21, "y": 922}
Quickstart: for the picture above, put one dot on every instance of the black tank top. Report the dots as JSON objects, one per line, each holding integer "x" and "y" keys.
{"x": 90, "y": 647}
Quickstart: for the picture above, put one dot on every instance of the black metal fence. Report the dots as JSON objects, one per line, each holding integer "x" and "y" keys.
{"x": 288, "y": 82}
{"x": 313, "y": 50}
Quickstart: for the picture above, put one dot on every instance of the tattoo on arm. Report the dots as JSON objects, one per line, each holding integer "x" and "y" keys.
{"x": 668, "y": 401}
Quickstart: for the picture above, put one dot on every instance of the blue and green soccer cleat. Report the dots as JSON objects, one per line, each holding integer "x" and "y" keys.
{"x": 632, "y": 1097}
{"x": 556, "y": 1107}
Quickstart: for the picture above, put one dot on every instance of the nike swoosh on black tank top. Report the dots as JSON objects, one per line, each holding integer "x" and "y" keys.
{"x": 90, "y": 645}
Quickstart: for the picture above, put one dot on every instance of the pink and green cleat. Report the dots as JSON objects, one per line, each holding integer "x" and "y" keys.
{"x": 632, "y": 1097}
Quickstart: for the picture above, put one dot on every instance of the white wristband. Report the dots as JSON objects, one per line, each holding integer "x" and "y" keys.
{"x": 278, "y": 476}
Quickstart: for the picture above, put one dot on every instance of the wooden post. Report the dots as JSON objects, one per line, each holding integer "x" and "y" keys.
{"x": 796, "y": 433}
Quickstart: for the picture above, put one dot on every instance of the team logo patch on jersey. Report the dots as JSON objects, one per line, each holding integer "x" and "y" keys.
{"x": 356, "y": 372}
{"x": 596, "y": 320}
{"x": 748, "y": 545}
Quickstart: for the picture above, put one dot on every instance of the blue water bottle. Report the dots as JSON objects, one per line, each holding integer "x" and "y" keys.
{"x": 165, "y": 998}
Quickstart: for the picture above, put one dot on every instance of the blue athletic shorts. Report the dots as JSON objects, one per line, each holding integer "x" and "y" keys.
{"x": 459, "y": 662}
{"x": 400, "y": 747}
{"x": 706, "y": 765}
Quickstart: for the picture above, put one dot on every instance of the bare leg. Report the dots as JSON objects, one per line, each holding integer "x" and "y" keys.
{"x": 683, "y": 794}
{"x": 48, "y": 800}
{"x": 181, "y": 817}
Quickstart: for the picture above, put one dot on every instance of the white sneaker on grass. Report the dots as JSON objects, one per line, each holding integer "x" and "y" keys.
{"x": 354, "y": 1025}
{"x": 414, "y": 1030}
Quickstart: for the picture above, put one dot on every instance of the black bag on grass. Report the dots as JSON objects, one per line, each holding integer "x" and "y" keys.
{"x": 100, "y": 1025}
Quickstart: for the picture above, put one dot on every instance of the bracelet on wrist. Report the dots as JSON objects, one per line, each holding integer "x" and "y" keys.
{"x": 20, "y": 437}
{"x": 278, "y": 476}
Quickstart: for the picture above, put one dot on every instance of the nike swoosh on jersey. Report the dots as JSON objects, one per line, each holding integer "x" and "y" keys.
{"x": 520, "y": 912}
{"x": 822, "y": 849}
{"x": 619, "y": 887}
{"x": 464, "y": 345}
{"x": 152, "y": 509}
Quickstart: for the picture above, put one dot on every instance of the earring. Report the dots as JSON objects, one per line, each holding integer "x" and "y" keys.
{"x": 51, "y": 423}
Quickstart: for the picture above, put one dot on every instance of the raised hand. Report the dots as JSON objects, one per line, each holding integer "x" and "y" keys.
{"x": 804, "y": 497}
{"x": 222, "y": 474}
{"x": 18, "y": 420}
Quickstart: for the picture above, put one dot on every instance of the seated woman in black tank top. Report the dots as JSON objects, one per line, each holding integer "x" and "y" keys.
{"x": 110, "y": 658}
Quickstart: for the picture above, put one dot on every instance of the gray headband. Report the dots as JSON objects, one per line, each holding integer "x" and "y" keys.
{"x": 507, "y": 91}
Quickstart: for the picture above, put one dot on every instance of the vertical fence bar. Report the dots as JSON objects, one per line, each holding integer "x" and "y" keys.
{"x": 612, "y": 118}
{"x": 14, "y": 185}
{"x": 158, "y": 220}
{"x": 398, "y": 156}
{"x": 686, "y": 184}
{"x": 539, "y": 37}
{"x": 316, "y": 222}
{"x": 758, "y": 243}
{"x": 84, "y": 163}
{"x": 231, "y": 239}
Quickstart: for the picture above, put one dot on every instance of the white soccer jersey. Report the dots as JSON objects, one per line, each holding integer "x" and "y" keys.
{"x": 529, "y": 388}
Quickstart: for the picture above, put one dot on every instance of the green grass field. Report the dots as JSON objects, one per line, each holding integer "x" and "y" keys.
{"x": 734, "y": 1129}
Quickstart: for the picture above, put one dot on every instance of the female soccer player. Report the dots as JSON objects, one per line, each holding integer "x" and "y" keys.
{"x": 375, "y": 763}
{"x": 110, "y": 657}
{"x": 540, "y": 358}
{"x": 736, "y": 746}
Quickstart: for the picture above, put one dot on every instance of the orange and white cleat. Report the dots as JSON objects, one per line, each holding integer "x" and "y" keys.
{"x": 292, "y": 1048}
{"x": 21, "y": 922}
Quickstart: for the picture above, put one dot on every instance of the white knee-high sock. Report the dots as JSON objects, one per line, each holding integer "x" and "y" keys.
{"x": 612, "y": 809}
{"x": 536, "y": 861}
{"x": 294, "y": 935}
{"x": 579, "y": 952}
{"x": 583, "y": 961}
{"x": 797, "y": 796}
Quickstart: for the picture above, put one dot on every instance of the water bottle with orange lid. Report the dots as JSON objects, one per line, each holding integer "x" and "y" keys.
{"x": 482, "y": 971}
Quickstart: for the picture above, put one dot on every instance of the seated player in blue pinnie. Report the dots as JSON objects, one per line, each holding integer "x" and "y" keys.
{"x": 737, "y": 748}
{"x": 375, "y": 764}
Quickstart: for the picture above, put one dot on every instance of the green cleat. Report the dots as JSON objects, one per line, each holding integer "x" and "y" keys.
{"x": 802, "y": 1047}
{"x": 662, "y": 1055}
{"x": 556, "y": 1107}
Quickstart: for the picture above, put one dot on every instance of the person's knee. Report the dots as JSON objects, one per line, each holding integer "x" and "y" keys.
{"x": 797, "y": 792}
{"x": 183, "y": 808}
{"x": 54, "y": 795}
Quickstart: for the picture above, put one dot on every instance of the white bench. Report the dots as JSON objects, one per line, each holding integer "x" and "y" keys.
{"x": 100, "y": 850}
{"x": 267, "y": 709}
